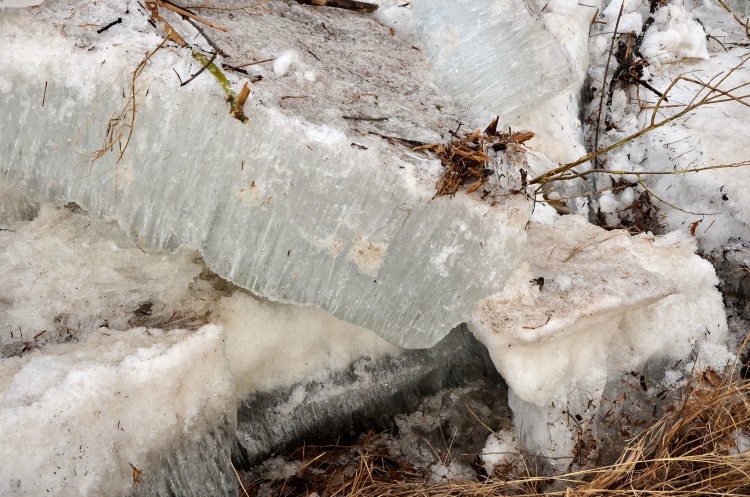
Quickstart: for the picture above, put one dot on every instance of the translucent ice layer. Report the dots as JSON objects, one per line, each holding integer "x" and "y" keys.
{"x": 497, "y": 55}
{"x": 290, "y": 210}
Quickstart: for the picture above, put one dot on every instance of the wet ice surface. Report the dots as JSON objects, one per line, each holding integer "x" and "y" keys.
{"x": 261, "y": 200}
{"x": 363, "y": 397}
{"x": 310, "y": 204}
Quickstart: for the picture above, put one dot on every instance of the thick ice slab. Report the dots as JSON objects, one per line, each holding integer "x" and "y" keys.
{"x": 288, "y": 209}
{"x": 497, "y": 55}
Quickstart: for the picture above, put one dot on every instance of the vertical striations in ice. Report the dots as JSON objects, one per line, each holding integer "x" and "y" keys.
{"x": 284, "y": 208}
{"x": 197, "y": 466}
{"x": 497, "y": 54}
{"x": 363, "y": 397}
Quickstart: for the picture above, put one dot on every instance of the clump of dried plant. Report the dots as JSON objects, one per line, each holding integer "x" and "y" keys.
{"x": 466, "y": 157}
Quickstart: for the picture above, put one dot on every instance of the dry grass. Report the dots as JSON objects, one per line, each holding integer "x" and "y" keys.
{"x": 692, "y": 451}
{"x": 121, "y": 125}
{"x": 466, "y": 158}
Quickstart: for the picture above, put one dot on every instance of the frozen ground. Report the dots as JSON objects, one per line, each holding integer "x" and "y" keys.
{"x": 320, "y": 200}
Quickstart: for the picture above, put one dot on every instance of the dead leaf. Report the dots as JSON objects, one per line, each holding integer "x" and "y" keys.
{"x": 693, "y": 226}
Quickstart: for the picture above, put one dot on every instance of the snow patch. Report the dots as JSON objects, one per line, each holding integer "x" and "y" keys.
{"x": 636, "y": 299}
{"x": 140, "y": 390}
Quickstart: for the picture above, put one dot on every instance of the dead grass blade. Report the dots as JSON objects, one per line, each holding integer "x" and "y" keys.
{"x": 121, "y": 126}
{"x": 186, "y": 13}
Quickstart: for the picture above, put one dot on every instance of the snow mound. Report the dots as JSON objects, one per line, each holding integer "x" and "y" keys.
{"x": 143, "y": 391}
{"x": 588, "y": 305}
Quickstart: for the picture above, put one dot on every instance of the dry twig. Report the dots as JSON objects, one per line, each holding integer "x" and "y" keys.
{"x": 713, "y": 94}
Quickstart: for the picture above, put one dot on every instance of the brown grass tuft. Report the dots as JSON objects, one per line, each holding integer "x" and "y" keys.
{"x": 465, "y": 158}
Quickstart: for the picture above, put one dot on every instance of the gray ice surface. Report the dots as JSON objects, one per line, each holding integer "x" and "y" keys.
{"x": 496, "y": 54}
{"x": 362, "y": 398}
{"x": 286, "y": 206}
{"x": 196, "y": 466}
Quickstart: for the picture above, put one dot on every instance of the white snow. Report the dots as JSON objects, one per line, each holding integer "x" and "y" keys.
{"x": 628, "y": 299}
{"x": 76, "y": 418}
{"x": 631, "y": 19}
{"x": 271, "y": 345}
{"x": 501, "y": 455}
{"x": 284, "y": 61}
{"x": 709, "y": 204}
{"x": 63, "y": 269}
{"x": 675, "y": 35}
{"x": 162, "y": 386}
{"x": 450, "y": 471}
{"x": 398, "y": 17}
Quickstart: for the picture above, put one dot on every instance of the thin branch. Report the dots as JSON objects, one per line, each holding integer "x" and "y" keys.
{"x": 655, "y": 173}
{"x": 123, "y": 124}
{"x": 640, "y": 182}
{"x": 184, "y": 12}
{"x": 203, "y": 68}
{"x": 713, "y": 96}
{"x": 604, "y": 81}
{"x": 213, "y": 44}
{"x": 361, "y": 7}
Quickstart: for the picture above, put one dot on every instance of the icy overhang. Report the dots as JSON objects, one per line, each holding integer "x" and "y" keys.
{"x": 291, "y": 209}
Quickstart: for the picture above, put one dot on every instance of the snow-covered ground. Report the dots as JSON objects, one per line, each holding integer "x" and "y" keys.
{"x": 699, "y": 41}
{"x": 321, "y": 201}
